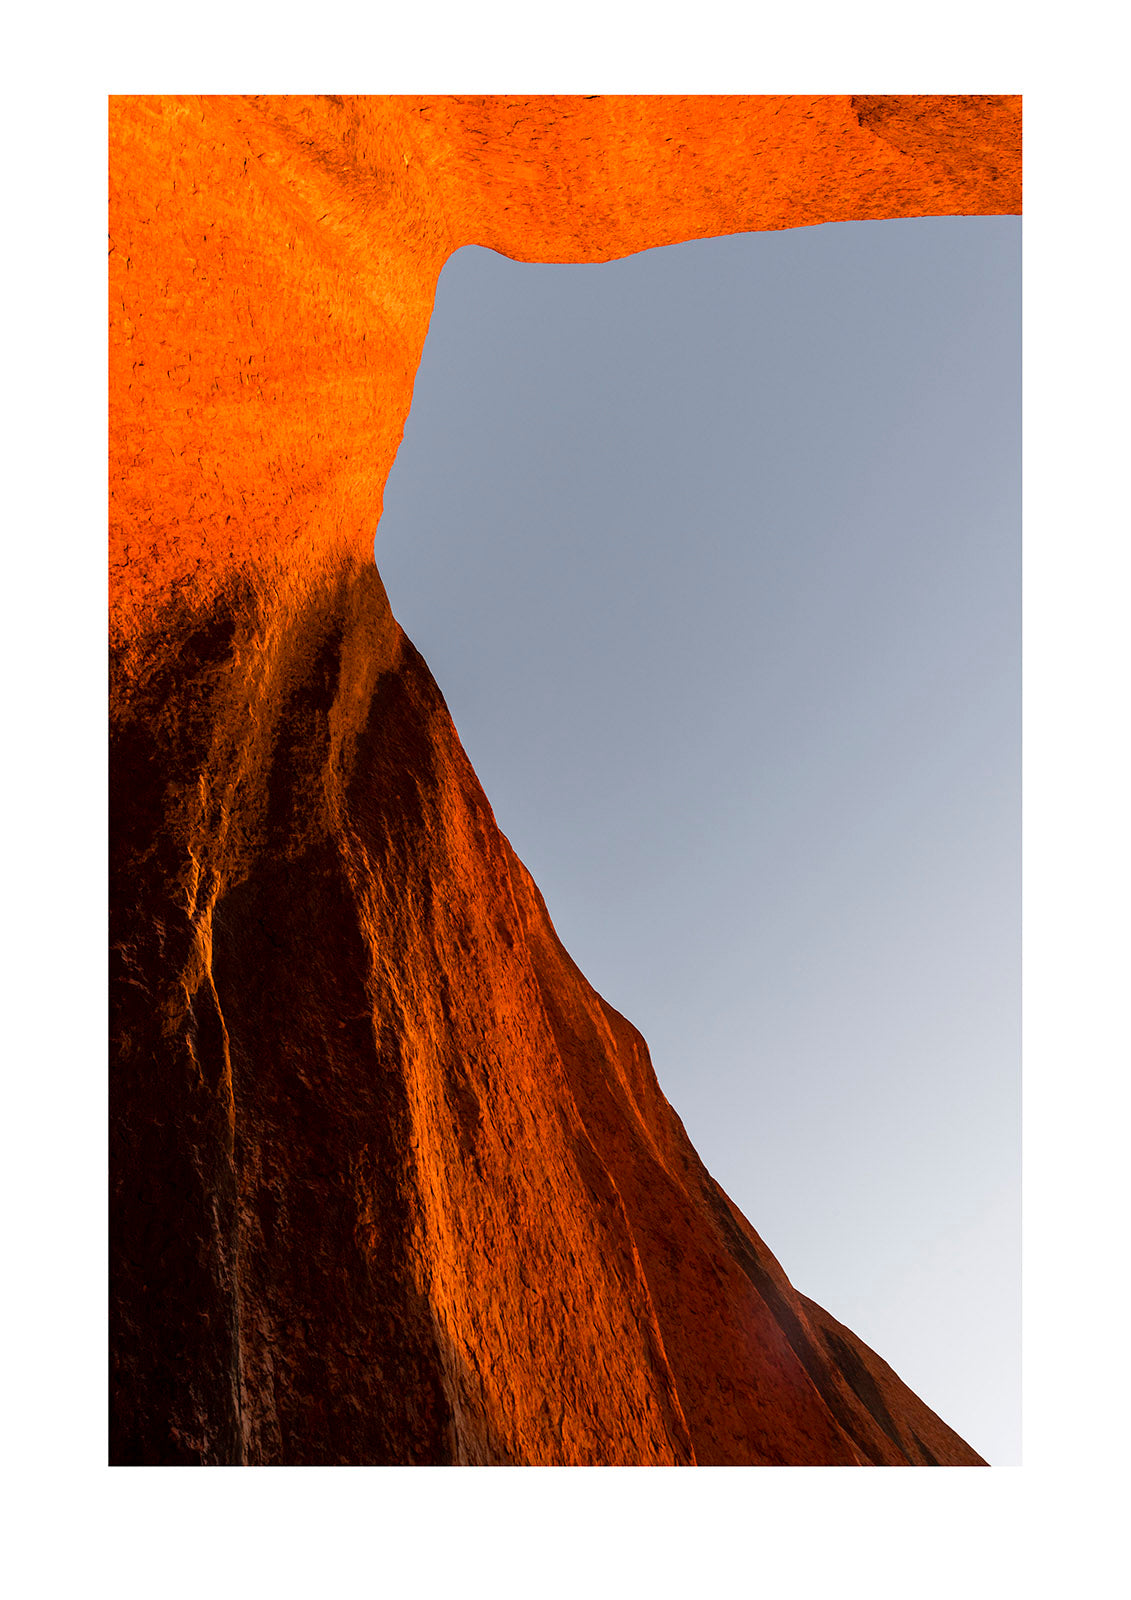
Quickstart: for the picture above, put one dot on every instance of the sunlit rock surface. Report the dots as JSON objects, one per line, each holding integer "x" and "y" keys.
{"x": 390, "y": 1183}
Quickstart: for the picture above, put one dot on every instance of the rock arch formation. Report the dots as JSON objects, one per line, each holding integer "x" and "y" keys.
{"x": 390, "y": 1183}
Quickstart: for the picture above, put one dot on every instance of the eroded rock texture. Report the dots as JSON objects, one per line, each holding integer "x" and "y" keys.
{"x": 390, "y": 1182}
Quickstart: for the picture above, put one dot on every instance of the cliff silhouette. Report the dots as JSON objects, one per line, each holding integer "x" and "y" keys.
{"x": 390, "y": 1182}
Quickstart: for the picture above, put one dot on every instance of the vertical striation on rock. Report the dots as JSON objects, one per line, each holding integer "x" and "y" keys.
{"x": 390, "y": 1182}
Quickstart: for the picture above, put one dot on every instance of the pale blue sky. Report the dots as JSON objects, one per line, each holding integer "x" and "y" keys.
{"x": 715, "y": 555}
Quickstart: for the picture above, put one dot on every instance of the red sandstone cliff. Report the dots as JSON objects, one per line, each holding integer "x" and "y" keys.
{"x": 390, "y": 1182}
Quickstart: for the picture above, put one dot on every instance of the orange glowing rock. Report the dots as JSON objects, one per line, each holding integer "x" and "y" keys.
{"x": 390, "y": 1182}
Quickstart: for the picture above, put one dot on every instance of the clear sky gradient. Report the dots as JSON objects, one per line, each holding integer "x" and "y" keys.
{"x": 715, "y": 554}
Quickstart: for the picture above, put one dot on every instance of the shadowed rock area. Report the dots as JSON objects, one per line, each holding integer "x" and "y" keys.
{"x": 391, "y": 1184}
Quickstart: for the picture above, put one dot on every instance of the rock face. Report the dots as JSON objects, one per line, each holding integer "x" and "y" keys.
{"x": 390, "y": 1183}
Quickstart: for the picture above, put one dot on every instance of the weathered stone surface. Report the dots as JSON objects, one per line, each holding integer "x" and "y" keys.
{"x": 390, "y": 1182}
